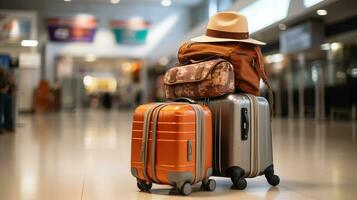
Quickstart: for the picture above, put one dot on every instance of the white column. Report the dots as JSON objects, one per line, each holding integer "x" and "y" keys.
{"x": 290, "y": 92}
{"x": 322, "y": 91}
{"x": 301, "y": 59}
{"x": 315, "y": 75}
{"x": 318, "y": 77}
{"x": 330, "y": 67}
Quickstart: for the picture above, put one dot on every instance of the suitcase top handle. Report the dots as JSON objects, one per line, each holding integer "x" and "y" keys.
{"x": 185, "y": 99}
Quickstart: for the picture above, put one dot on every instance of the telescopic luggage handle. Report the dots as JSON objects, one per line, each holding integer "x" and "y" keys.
{"x": 185, "y": 99}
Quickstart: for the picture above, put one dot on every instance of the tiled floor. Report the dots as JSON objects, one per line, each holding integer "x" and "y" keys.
{"x": 86, "y": 155}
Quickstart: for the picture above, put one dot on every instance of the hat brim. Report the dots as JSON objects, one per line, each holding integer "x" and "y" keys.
{"x": 205, "y": 38}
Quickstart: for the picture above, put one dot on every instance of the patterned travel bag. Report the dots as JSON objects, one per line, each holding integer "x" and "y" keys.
{"x": 200, "y": 80}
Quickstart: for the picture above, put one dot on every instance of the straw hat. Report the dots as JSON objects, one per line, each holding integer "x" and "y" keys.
{"x": 227, "y": 27}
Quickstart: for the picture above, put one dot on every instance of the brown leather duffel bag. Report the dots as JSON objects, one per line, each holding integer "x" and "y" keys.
{"x": 200, "y": 80}
{"x": 246, "y": 58}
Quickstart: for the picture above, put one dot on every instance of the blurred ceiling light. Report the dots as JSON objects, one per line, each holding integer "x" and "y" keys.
{"x": 164, "y": 61}
{"x": 67, "y": 0}
{"x": 282, "y": 27}
{"x": 29, "y": 43}
{"x": 335, "y": 46}
{"x": 325, "y": 46}
{"x": 87, "y": 80}
{"x": 114, "y": 1}
{"x": 275, "y": 58}
{"x": 90, "y": 58}
{"x": 321, "y": 12}
{"x": 166, "y": 3}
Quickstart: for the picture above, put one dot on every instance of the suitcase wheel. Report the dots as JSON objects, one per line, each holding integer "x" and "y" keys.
{"x": 209, "y": 185}
{"x": 144, "y": 186}
{"x": 239, "y": 183}
{"x": 273, "y": 180}
{"x": 186, "y": 189}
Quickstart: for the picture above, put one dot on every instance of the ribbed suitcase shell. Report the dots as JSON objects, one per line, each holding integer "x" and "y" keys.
{"x": 253, "y": 155}
{"x": 176, "y": 126}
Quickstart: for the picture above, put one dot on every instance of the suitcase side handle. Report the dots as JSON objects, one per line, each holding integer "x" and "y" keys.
{"x": 244, "y": 124}
{"x": 185, "y": 99}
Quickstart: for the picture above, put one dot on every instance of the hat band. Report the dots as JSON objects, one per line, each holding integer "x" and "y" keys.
{"x": 230, "y": 35}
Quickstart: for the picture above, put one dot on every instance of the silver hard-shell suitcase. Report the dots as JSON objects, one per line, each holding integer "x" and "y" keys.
{"x": 242, "y": 138}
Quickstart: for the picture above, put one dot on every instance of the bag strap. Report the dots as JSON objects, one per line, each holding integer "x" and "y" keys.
{"x": 264, "y": 77}
{"x": 200, "y": 141}
{"x": 153, "y": 141}
{"x": 145, "y": 137}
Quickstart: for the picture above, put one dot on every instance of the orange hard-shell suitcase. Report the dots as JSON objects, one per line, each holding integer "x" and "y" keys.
{"x": 182, "y": 154}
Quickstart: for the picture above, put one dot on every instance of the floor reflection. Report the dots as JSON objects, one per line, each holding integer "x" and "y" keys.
{"x": 86, "y": 155}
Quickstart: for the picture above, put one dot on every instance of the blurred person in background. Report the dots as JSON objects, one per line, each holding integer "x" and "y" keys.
{"x": 6, "y": 97}
{"x": 107, "y": 100}
{"x": 2, "y": 96}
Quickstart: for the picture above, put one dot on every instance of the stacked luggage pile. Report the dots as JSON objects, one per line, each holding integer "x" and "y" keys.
{"x": 216, "y": 124}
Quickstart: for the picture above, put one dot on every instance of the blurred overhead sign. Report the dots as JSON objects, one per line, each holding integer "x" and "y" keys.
{"x": 13, "y": 28}
{"x": 76, "y": 29}
{"x": 301, "y": 37}
{"x": 133, "y": 31}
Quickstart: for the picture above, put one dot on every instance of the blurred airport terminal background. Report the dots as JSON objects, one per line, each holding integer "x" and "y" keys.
{"x": 99, "y": 54}
{"x": 81, "y": 66}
